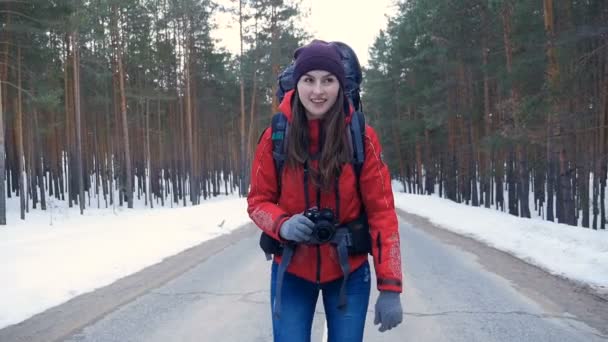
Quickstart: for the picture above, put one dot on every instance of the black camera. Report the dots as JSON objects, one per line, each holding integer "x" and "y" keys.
{"x": 325, "y": 226}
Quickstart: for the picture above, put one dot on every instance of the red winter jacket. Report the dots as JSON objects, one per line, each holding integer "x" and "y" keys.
{"x": 269, "y": 209}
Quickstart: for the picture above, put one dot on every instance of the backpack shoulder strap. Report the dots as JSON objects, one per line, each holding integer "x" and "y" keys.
{"x": 279, "y": 131}
{"x": 357, "y": 131}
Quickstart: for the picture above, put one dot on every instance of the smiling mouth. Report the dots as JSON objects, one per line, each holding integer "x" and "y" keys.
{"x": 318, "y": 101}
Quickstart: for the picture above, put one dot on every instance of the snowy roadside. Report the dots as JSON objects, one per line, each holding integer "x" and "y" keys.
{"x": 45, "y": 265}
{"x": 577, "y": 253}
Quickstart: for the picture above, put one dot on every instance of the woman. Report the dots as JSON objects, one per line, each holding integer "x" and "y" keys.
{"x": 318, "y": 159}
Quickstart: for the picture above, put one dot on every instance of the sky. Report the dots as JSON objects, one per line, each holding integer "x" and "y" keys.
{"x": 354, "y": 22}
{"x": 56, "y": 255}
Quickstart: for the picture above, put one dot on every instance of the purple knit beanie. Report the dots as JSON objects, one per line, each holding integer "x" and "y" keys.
{"x": 319, "y": 55}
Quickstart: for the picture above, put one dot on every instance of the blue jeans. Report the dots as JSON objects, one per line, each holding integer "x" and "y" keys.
{"x": 300, "y": 299}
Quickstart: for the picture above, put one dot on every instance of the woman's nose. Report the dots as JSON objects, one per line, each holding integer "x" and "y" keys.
{"x": 317, "y": 88}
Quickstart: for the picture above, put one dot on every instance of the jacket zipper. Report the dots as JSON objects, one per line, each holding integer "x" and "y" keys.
{"x": 379, "y": 245}
{"x": 318, "y": 264}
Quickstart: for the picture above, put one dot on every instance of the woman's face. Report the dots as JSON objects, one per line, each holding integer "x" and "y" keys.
{"x": 318, "y": 91}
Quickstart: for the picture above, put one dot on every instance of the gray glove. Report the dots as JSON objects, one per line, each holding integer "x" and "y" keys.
{"x": 388, "y": 310}
{"x": 297, "y": 228}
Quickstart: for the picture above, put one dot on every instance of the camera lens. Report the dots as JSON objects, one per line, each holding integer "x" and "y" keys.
{"x": 324, "y": 231}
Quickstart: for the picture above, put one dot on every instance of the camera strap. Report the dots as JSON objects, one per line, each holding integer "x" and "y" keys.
{"x": 306, "y": 182}
{"x": 342, "y": 241}
{"x": 306, "y": 176}
{"x": 288, "y": 250}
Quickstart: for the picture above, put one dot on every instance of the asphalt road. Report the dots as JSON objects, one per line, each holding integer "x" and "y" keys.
{"x": 455, "y": 290}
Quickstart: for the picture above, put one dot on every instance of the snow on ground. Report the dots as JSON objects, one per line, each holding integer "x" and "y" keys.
{"x": 56, "y": 255}
{"x": 43, "y": 265}
{"x": 577, "y": 253}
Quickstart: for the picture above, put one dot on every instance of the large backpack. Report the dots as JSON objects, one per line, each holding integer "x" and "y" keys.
{"x": 355, "y": 131}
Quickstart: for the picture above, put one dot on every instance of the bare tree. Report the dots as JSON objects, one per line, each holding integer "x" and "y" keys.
{"x": 123, "y": 105}
{"x": 76, "y": 75}
{"x": 2, "y": 163}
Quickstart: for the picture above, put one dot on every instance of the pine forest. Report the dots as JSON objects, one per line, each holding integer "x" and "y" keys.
{"x": 495, "y": 103}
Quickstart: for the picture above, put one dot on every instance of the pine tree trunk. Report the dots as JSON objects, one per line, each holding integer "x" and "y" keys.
{"x": 175, "y": 124}
{"x": 566, "y": 175}
{"x": 252, "y": 110}
{"x": 30, "y": 185}
{"x": 499, "y": 166}
{"x": 429, "y": 179}
{"x": 32, "y": 165}
{"x": 596, "y": 209}
{"x": 511, "y": 183}
{"x": 602, "y": 171}
{"x": 59, "y": 188}
{"x": 451, "y": 165}
{"x": 441, "y": 174}
{"x": 584, "y": 193}
{"x": 396, "y": 141}
{"x": 182, "y": 151}
{"x": 4, "y": 189}
{"x": 539, "y": 187}
{"x": 397, "y": 146}
{"x": 418, "y": 150}
{"x": 603, "y": 196}
{"x": 235, "y": 156}
{"x": 19, "y": 138}
{"x": 553, "y": 129}
{"x": 161, "y": 161}
{"x": 250, "y": 142}
{"x": 550, "y": 188}
{"x": 485, "y": 155}
{"x": 148, "y": 157}
{"x": 524, "y": 182}
{"x": 39, "y": 164}
{"x": 67, "y": 154}
{"x": 123, "y": 111}
{"x": 472, "y": 141}
{"x": 242, "y": 185}
{"x": 97, "y": 148}
{"x": 2, "y": 160}
{"x": 449, "y": 171}
{"x": 200, "y": 140}
{"x": 189, "y": 127}
{"x": 76, "y": 75}
{"x": 109, "y": 156}
{"x": 520, "y": 203}
{"x": 274, "y": 56}
{"x": 556, "y": 148}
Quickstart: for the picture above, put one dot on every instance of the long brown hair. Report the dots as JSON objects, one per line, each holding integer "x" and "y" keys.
{"x": 335, "y": 150}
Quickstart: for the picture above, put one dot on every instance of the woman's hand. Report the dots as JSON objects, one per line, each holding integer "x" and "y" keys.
{"x": 389, "y": 313}
{"x": 297, "y": 228}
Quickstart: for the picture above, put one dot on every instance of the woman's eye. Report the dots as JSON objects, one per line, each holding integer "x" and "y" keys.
{"x": 329, "y": 80}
